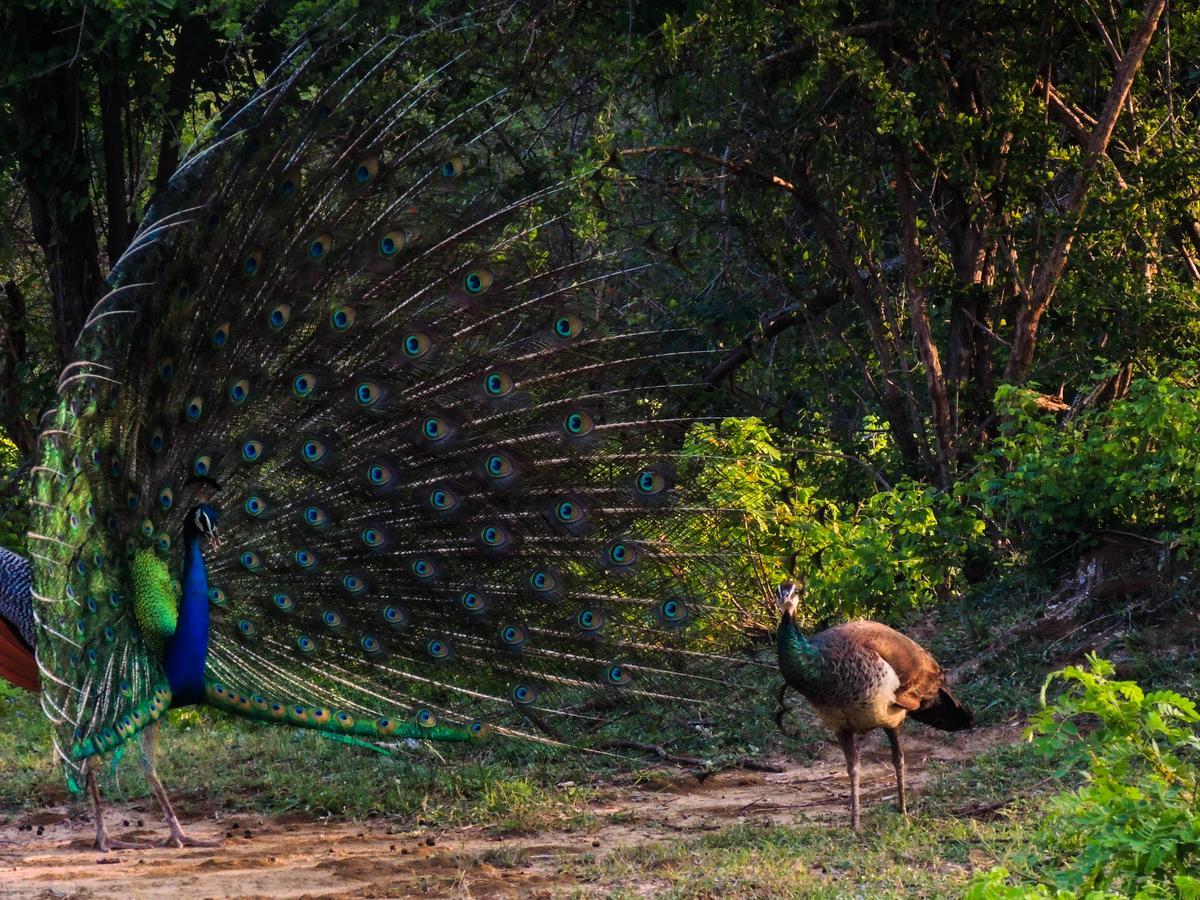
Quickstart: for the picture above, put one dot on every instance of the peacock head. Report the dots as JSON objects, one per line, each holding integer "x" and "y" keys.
{"x": 201, "y": 522}
{"x": 788, "y": 598}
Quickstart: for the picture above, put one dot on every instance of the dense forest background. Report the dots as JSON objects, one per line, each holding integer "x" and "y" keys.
{"x": 953, "y": 254}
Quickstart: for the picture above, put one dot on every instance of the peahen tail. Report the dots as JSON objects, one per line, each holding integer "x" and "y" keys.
{"x": 946, "y": 712}
{"x": 453, "y": 432}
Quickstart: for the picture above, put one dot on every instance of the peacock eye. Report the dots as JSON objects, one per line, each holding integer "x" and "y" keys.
{"x": 498, "y": 465}
{"x": 314, "y": 451}
{"x": 373, "y": 537}
{"x": 589, "y": 621}
{"x": 472, "y": 602}
{"x": 319, "y": 247}
{"x": 366, "y": 169}
{"x": 380, "y": 475}
{"x": 495, "y": 537}
{"x": 166, "y": 498}
{"x": 304, "y": 384}
{"x": 315, "y": 517}
{"x": 367, "y": 394}
{"x": 568, "y": 512}
{"x": 478, "y": 280}
{"x": 166, "y": 369}
{"x": 252, "y": 450}
{"x": 442, "y": 499}
{"x": 425, "y": 569}
{"x": 343, "y": 318}
{"x": 255, "y": 506}
{"x": 194, "y": 409}
{"x": 672, "y": 613}
{"x": 278, "y": 317}
{"x": 568, "y": 326}
{"x": 392, "y": 242}
{"x": 239, "y": 391}
{"x": 416, "y": 345}
{"x": 618, "y": 675}
{"x": 497, "y": 384}
{"x": 220, "y": 335}
{"x": 252, "y": 262}
{"x": 452, "y": 168}
{"x": 288, "y": 184}
{"x": 577, "y": 424}
{"x": 512, "y": 637}
{"x": 523, "y": 694}
{"x": 435, "y": 428}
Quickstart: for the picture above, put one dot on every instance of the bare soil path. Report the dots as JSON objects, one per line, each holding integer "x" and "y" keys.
{"x": 293, "y": 857}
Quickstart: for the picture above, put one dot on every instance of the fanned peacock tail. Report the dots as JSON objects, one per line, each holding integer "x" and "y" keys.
{"x": 447, "y": 428}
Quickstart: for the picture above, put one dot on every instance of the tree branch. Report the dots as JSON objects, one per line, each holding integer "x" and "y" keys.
{"x": 766, "y": 328}
{"x": 16, "y": 347}
{"x": 1030, "y": 313}
{"x": 112, "y": 102}
{"x": 918, "y": 308}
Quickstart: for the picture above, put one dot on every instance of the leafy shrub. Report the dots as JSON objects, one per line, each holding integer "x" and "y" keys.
{"x": 1133, "y": 828}
{"x": 1134, "y": 465}
{"x": 878, "y": 556}
{"x": 13, "y": 521}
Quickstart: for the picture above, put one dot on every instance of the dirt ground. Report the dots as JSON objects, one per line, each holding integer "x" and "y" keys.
{"x": 293, "y": 857}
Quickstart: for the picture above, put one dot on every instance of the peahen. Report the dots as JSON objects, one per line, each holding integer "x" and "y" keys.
{"x": 863, "y": 675}
{"x": 369, "y": 338}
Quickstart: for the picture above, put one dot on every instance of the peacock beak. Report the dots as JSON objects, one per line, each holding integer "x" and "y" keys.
{"x": 214, "y": 541}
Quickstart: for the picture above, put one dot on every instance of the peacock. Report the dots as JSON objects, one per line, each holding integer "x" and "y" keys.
{"x": 17, "y": 635}
{"x": 860, "y": 676}
{"x": 380, "y": 433}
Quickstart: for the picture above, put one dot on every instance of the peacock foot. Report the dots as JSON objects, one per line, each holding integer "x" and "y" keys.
{"x": 179, "y": 840}
{"x": 104, "y": 843}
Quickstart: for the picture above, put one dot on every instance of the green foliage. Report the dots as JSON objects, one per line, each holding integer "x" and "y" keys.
{"x": 13, "y": 519}
{"x": 1131, "y": 466}
{"x": 882, "y": 555}
{"x": 1133, "y": 828}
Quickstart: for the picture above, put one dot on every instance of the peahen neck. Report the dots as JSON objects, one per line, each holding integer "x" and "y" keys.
{"x": 188, "y": 648}
{"x": 800, "y": 661}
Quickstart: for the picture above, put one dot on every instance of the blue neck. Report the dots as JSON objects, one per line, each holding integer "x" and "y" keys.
{"x": 800, "y": 662}
{"x": 188, "y": 649}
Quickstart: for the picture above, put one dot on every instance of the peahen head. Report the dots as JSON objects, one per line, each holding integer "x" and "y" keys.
{"x": 201, "y": 522}
{"x": 788, "y": 598}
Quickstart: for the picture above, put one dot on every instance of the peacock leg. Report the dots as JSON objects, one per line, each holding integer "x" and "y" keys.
{"x": 149, "y": 769}
{"x": 849, "y": 743}
{"x": 103, "y": 842}
{"x": 898, "y": 764}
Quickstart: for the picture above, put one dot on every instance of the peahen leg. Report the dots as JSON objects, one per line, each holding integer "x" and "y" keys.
{"x": 103, "y": 842}
{"x": 781, "y": 708}
{"x": 849, "y": 743}
{"x": 898, "y": 764}
{"x": 148, "y": 760}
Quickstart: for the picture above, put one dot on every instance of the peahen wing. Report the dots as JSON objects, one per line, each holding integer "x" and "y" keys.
{"x": 449, "y": 429}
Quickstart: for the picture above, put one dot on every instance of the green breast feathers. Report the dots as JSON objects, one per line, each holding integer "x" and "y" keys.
{"x": 155, "y": 600}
